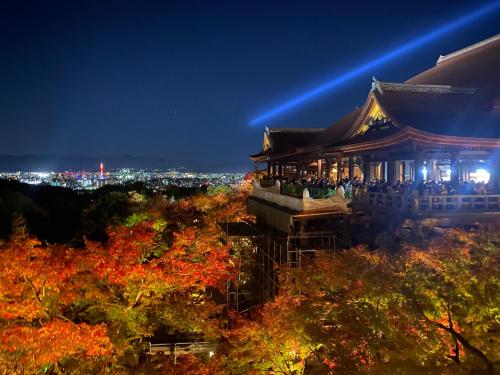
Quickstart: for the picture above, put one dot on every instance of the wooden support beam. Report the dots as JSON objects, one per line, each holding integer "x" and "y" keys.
{"x": 366, "y": 170}
{"x": 391, "y": 171}
{"x": 351, "y": 168}
{"x": 494, "y": 170}
{"x": 328, "y": 168}
{"x": 455, "y": 169}
{"x": 339, "y": 167}
{"x": 419, "y": 170}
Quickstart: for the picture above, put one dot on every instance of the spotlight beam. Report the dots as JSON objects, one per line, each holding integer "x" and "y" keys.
{"x": 391, "y": 55}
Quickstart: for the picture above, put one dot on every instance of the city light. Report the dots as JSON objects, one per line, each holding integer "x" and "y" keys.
{"x": 370, "y": 65}
{"x": 153, "y": 179}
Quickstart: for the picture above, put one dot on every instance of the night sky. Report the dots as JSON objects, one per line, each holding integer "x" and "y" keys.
{"x": 182, "y": 80}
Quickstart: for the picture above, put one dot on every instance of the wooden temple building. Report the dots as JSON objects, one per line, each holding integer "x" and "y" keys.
{"x": 441, "y": 125}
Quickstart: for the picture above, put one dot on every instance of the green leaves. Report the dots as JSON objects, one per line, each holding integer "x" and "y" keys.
{"x": 136, "y": 218}
{"x": 371, "y": 312}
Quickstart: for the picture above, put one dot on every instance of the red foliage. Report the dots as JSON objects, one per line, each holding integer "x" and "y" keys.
{"x": 33, "y": 347}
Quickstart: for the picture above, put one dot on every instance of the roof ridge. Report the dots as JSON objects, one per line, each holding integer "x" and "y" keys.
{"x": 295, "y": 130}
{"x": 380, "y": 86}
{"x": 443, "y": 58}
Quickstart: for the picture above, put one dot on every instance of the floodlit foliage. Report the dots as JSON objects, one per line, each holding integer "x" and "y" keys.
{"x": 455, "y": 288}
{"x": 30, "y": 348}
{"x": 164, "y": 268}
{"x": 432, "y": 310}
{"x": 90, "y": 308}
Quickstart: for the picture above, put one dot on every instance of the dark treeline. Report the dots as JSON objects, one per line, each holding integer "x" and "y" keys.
{"x": 62, "y": 215}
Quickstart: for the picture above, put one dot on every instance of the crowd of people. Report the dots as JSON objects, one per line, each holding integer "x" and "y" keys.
{"x": 430, "y": 187}
{"x": 345, "y": 187}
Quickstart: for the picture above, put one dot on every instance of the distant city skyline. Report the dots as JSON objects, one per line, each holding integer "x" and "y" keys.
{"x": 181, "y": 80}
{"x": 59, "y": 163}
{"x": 91, "y": 180}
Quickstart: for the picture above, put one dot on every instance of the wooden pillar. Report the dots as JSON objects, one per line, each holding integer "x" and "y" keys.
{"x": 351, "y": 168}
{"x": 273, "y": 172}
{"x": 419, "y": 170}
{"x": 494, "y": 171}
{"x": 397, "y": 171}
{"x": 339, "y": 167}
{"x": 320, "y": 167}
{"x": 391, "y": 171}
{"x": 328, "y": 168}
{"x": 268, "y": 168}
{"x": 366, "y": 170}
{"x": 280, "y": 170}
{"x": 454, "y": 169}
{"x": 379, "y": 170}
{"x": 464, "y": 169}
{"x": 298, "y": 167}
{"x": 430, "y": 170}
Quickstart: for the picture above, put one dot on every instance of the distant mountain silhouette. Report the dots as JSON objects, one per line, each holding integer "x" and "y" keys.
{"x": 13, "y": 163}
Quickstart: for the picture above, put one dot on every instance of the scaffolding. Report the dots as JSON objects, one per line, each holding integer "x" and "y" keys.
{"x": 260, "y": 256}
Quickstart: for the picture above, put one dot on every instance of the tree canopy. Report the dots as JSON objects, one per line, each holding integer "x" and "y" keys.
{"x": 164, "y": 268}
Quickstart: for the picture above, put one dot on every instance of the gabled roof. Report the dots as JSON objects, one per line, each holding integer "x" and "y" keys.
{"x": 279, "y": 141}
{"x": 469, "y": 49}
{"x": 288, "y": 139}
{"x": 456, "y": 112}
{"x": 459, "y": 96}
{"x": 475, "y": 66}
{"x": 382, "y": 87}
{"x": 336, "y": 131}
{"x": 389, "y": 137}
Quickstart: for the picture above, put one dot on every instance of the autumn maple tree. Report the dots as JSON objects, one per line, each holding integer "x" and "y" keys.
{"x": 430, "y": 310}
{"x": 161, "y": 269}
{"x": 165, "y": 268}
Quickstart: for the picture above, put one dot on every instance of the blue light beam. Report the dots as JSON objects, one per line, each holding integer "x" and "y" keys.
{"x": 411, "y": 45}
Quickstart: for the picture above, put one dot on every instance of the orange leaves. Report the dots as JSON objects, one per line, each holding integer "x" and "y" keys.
{"x": 146, "y": 276}
{"x": 31, "y": 275}
{"x": 35, "y": 347}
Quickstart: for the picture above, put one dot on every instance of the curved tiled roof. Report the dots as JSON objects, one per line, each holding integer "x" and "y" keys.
{"x": 451, "y": 98}
{"x": 459, "y": 96}
{"x": 456, "y": 114}
{"x": 335, "y": 132}
{"x": 286, "y": 140}
{"x": 474, "y": 66}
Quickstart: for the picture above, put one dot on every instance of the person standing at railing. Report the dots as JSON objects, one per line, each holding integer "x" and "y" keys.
{"x": 481, "y": 189}
{"x": 340, "y": 190}
{"x": 443, "y": 190}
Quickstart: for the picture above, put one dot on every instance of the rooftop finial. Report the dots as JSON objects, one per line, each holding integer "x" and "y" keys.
{"x": 375, "y": 84}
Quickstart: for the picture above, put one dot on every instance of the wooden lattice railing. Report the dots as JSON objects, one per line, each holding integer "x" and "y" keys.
{"x": 428, "y": 203}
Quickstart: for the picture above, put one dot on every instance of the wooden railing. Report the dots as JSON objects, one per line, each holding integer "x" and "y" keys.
{"x": 429, "y": 203}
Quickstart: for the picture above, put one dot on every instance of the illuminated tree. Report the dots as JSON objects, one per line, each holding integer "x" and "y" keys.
{"x": 165, "y": 268}
{"x": 118, "y": 292}
{"x": 432, "y": 310}
{"x": 454, "y": 287}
